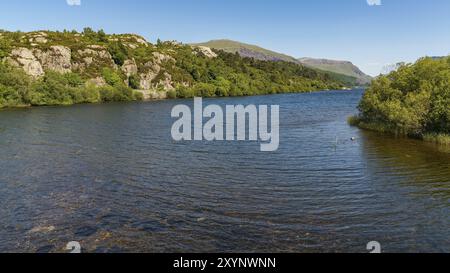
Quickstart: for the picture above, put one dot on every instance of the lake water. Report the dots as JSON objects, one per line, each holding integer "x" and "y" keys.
{"x": 110, "y": 177}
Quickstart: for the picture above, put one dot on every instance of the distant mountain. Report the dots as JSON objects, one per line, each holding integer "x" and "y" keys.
{"x": 340, "y": 67}
{"x": 341, "y": 70}
{"x": 247, "y": 50}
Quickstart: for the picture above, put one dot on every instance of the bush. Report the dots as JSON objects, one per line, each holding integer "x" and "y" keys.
{"x": 204, "y": 90}
{"x": 118, "y": 52}
{"x": 14, "y": 86}
{"x": 172, "y": 94}
{"x": 184, "y": 92}
{"x": 112, "y": 77}
{"x": 413, "y": 101}
{"x": 52, "y": 89}
{"x": 134, "y": 81}
{"x": 106, "y": 93}
{"x": 138, "y": 96}
{"x": 5, "y": 48}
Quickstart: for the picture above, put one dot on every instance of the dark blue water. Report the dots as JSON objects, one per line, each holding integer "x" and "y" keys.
{"x": 110, "y": 177}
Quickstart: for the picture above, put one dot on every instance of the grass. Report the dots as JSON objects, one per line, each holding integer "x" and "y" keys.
{"x": 437, "y": 138}
{"x": 442, "y": 139}
{"x": 372, "y": 126}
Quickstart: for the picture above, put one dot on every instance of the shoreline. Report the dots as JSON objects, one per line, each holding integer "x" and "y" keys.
{"x": 153, "y": 95}
{"x": 437, "y": 138}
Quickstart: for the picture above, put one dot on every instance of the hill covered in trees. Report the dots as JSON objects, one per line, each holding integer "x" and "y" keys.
{"x": 62, "y": 68}
{"x": 413, "y": 101}
{"x": 342, "y": 71}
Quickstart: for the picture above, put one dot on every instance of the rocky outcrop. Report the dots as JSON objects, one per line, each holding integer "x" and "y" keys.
{"x": 93, "y": 55}
{"x": 38, "y": 38}
{"x": 206, "y": 51}
{"x": 129, "y": 67}
{"x": 57, "y": 58}
{"x": 97, "y": 82}
{"x": 89, "y": 61}
{"x": 154, "y": 94}
{"x": 148, "y": 80}
{"x": 24, "y": 58}
{"x": 166, "y": 82}
{"x": 160, "y": 58}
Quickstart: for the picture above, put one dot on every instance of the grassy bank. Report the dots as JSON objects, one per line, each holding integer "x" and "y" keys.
{"x": 437, "y": 138}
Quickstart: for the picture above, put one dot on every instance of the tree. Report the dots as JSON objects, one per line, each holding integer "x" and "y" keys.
{"x": 118, "y": 52}
{"x": 102, "y": 37}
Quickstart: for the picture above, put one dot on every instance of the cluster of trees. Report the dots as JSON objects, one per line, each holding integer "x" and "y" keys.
{"x": 18, "y": 89}
{"x": 231, "y": 75}
{"x": 414, "y": 100}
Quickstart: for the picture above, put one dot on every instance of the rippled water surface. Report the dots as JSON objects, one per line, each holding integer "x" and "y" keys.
{"x": 110, "y": 177}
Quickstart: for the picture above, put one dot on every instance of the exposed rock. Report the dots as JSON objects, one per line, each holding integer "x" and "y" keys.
{"x": 129, "y": 67}
{"x": 24, "y": 58}
{"x": 57, "y": 58}
{"x": 141, "y": 41}
{"x": 95, "y": 51}
{"x": 39, "y": 37}
{"x": 166, "y": 83}
{"x": 206, "y": 51}
{"x": 39, "y": 40}
{"x": 88, "y": 60}
{"x": 154, "y": 67}
{"x": 96, "y": 47}
{"x": 98, "y": 82}
{"x": 146, "y": 80}
{"x": 153, "y": 70}
{"x": 92, "y": 55}
{"x": 153, "y": 94}
{"x": 130, "y": 45}
{"x": 136, "y": 38}
{"x": 160, "y": 58}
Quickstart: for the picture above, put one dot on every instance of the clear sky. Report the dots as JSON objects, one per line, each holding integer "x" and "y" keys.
{"x": 371, "y": 36}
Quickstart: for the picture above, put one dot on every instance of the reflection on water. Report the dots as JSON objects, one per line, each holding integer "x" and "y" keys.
{"x": 110, "y": 177}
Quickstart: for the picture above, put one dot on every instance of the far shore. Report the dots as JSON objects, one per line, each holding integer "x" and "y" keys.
{"x": 155, "y": 95}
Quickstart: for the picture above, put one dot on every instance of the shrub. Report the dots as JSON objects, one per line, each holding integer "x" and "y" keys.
{"x": 134, "y": 81}
{"x": 413, "y": 101}
{"x": 52, "y": 89}
{"x": 112, "y": 77}
{"x": 14, "y": 86}
{"x": 106, "y": 93}
{"x": 204, "y": 90}
{"x": 184, "y": 92}
{"x": 138, "y": 96}
{"x": 118, "y": 52}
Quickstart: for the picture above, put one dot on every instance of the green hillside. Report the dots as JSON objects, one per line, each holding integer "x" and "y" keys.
{"x": 247, "y": 50}
{"x": 338, "y": 67}
{"x": 340, "y": 70}
{"x": 63, "y": 68}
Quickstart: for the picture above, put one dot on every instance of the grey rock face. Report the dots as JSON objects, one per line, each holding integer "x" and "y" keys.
{"x": 206, "y": 51}
{"x": 24, "y": 58}
{"x": 130, "y": 68}
{"x": 57, "y": 58}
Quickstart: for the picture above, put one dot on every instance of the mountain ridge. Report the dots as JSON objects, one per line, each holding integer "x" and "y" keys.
{"x": 345, "y": 70}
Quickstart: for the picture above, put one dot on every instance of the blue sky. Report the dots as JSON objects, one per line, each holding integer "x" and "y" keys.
{"x": 370, "y": 36}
